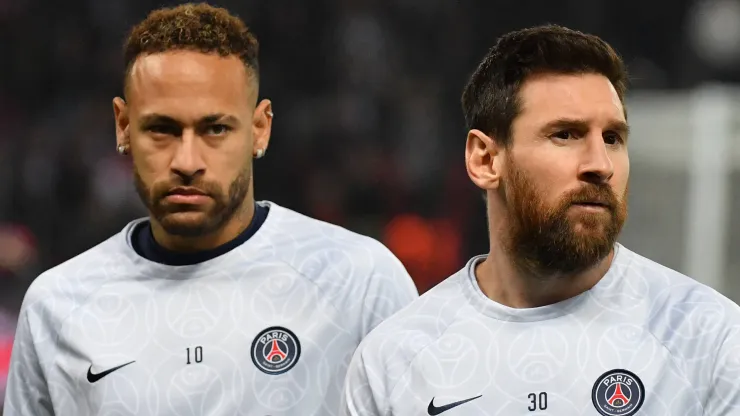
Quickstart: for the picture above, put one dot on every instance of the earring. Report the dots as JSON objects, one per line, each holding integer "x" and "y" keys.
{"x": 260, "y": 153}
{"x": 122, "y": 149}
{"x": 269, "y": 113}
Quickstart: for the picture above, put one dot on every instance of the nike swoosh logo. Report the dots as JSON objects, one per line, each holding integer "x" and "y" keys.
{"x": 92, "y": 378}
{"x": 434, "y": 410}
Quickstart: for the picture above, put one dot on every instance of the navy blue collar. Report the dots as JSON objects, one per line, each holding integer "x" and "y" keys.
{"x": 144, "y": 244}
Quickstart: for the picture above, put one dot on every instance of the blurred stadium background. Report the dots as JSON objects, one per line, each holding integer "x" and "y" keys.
{"x": 368, "y": 130}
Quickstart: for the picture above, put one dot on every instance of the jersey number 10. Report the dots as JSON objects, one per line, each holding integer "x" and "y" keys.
{"x": 197, "y": 354}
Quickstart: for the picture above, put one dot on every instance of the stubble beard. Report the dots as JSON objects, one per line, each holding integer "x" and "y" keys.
{"x": 208, "y": 221}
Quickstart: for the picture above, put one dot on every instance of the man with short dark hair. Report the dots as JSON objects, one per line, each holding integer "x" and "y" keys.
{"x": 558, "y": 318}
{"x": 215, "y": 304}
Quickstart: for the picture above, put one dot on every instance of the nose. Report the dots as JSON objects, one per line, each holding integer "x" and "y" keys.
{"x": 187, "y": 161}
{"x": 596, "y": 165}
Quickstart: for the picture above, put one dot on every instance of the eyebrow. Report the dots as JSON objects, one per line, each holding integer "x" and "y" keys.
{"x": 618, "y": 126}
{"x": 208, "y": 119}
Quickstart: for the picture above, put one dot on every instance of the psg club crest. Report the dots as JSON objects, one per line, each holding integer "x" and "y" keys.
{"x": 275, "y": 350}
{"x": 618, "y": 393}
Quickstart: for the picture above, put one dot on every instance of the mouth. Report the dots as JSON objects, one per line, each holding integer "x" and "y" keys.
{"x": 185, "y": 191}
{"x": 190, "y": 196}
{"x": 593, "y": 205}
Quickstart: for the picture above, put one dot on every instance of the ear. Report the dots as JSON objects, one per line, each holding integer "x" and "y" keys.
{"x": 262, "y": 127}
{"x": 120, "y": 112}
{"x": 483, "y": 160}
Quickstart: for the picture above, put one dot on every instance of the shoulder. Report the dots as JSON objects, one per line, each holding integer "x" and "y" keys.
{"x": 399, "y": 339}
{"x": 60, "y": 289}
{"x": 308, "y": 231}
{"x": 316, "y": 248}
{"x": 685, "y": 315}
{"x": 666, "y": 290}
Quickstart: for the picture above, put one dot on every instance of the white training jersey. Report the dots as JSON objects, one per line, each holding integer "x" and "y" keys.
{"x": 645, "y": 340}
{"x": 265, "y": 329}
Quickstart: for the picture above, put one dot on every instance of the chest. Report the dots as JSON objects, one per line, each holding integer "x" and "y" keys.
{"x": 597, "y": 369}
{"x": 228, "y": 347}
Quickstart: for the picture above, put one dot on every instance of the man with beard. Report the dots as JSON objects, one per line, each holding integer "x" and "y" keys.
{"x": 558, "y": 318}
{"x": 215, "y": 304}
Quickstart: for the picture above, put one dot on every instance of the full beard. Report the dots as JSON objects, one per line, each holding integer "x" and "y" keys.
{"x": 207, "y": 221}
{"x": 546, "y": 241}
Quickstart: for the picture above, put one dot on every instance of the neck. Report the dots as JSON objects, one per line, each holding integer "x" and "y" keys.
{"x": 229, "y": 231}
{"x": 503, "y": 282}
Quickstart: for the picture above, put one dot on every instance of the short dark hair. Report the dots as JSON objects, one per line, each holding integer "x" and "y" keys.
{"x": 198, "y": 27}
{"x": 490, "y": 99}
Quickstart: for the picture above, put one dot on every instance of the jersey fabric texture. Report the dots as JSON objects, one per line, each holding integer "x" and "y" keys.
{"x": 265, "y": 329}
{"x": 645, "y": 340}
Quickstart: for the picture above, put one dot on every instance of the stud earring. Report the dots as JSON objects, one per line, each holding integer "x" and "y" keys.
{"x": 122, "y": 149}
{"x": 260, "y": 153}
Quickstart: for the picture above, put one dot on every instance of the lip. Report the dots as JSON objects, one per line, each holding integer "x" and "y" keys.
{"x": 592, "y": 206}
{"x": 187, "y": 196}
{"x": 194, "y": 199}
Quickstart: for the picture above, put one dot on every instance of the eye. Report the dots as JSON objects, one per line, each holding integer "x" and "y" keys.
{"x": 217, "y": 130}
{"x": 563, "y": 135}
{"x": 612, "y": 139}
{"x": 164, "y": 129}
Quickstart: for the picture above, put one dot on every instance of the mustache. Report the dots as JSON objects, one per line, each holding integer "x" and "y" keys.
{"x": 593, "y": 194}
